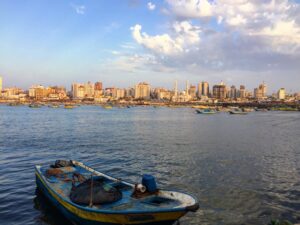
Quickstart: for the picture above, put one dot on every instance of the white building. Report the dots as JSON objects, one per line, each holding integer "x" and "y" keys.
{"x": 142, "y": 91}
{"x": 281, "y": 94}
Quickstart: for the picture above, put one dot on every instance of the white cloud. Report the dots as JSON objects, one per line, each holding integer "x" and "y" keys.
{"x": 226, "y": 35}
{"x": 191, "y": 8}
{"x": 184, "y": 35}
{"x": 151, "y": 6}
{"x": 79, "y": 9}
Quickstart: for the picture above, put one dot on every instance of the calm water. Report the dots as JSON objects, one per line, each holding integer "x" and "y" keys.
{"x": 243, "y": 169}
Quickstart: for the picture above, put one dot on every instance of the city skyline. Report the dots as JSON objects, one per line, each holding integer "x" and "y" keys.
{"x": 239, "y": 42}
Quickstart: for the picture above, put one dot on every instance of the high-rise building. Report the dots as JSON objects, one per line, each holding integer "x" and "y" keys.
{"x": 203, "y": 89}
{"x": 142, "y": 91}
{"x": 242, "y": 92}
{"x": 187, "y": 87}
{"x": 176, "y": 89}
{"x": 192, "y": 91}
{"x": 80, "y": 91}
{"x": 261, "y": 91}
{"x": 199, "y": 91}
{"x": 98, "y": 86}
{"x": 89, "y": 89}
{"x": 281, "y": 94}
{"x": 220, "y": 91}
{"x": 233, "y": 92}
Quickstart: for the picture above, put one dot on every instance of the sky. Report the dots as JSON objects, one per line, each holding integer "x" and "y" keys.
{"x": 123, "y": 42}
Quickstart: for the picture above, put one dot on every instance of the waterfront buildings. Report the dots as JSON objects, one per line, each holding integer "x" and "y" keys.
{"x": 142, "y": 91}
{"x": 39, "y": 92}
{"x": 96, "y": 92}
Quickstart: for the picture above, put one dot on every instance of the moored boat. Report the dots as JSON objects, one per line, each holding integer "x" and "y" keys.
{"x": 206, "y": 111}
{"x": 107, "y": 107}
{"x": 237, "y": 111}
{"x": 109, "y": 200}
{"x": 68, "y": 106}
{"x": 34, "y": 105}
{"x": 53, "y": 106}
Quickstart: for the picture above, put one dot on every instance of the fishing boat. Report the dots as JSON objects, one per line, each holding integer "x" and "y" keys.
{"x": 34, "y": 105}
{"x": 53, "y": 106}
{"x": 237, "y": 111}
{"x": 13, "y": 104}
{"x": 261, "y": 110}
{"x": 107, "y": 107}
{"x": 86, "y": 196}
{"x": 68, "y": 106}
{"x": 205, "y": 111}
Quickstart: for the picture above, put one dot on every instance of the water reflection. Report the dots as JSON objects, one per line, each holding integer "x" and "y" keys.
{"x": 48, "y": 213}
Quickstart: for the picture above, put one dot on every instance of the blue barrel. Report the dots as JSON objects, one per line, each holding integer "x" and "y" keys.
{"x": 149, "y": 182}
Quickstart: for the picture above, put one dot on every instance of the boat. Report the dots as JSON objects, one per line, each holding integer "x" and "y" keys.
{"x": 131, "y": 204}
{"x": 261, "y": 110}
{"x": 13, "y": 104}
{"x": 34, "y": 105}
{"x": 53, "y": 106}
{"x": 237, "y": 111}
{"x": 206, "y": 111}
{"x": 247, "y": 109}
{"x": 68, "y": 106}
{"x": 107, "y": 107}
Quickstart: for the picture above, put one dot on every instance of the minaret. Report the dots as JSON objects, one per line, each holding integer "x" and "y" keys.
{"x": 187, "y": 87}
{"x": 175, "y": 89}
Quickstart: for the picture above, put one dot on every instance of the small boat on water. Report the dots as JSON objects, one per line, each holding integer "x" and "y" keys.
{"x": 53, "y": 106}
{"x": 205, "y": 111}
{"x": 13, "y": 104}
{"x": 261, "y": 110}
{"x": 237, "y": 111}
{"x": 107, "y": 107}
{"x": 86, "y": 196}
{"x": 34, "y": 105}
{"x": 68, "y": 106}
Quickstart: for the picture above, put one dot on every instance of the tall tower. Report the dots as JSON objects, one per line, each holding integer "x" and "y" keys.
{"x": 176, "y": 89}
{"x": 187, "y": 87}
{"x": 0, "y": 84}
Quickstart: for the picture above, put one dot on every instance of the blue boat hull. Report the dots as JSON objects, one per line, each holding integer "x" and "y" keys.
{"x": 78, "y": 220}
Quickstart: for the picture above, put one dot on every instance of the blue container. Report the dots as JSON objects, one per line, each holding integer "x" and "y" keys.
{"x": 149, "y": 182}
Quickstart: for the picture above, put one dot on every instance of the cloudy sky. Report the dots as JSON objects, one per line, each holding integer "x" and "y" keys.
{"x": 122, "y": 42}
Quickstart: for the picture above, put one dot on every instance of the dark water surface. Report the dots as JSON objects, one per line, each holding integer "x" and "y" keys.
{"x": 243, "y": 169}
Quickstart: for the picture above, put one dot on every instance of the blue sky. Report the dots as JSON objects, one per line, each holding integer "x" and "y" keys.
{"x": 124, "y": 42}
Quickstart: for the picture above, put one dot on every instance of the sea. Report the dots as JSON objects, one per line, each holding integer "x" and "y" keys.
{"x": 244, "y": 169}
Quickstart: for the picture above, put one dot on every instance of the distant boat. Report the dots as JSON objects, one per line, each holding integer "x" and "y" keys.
{"x": 53, "y": 106}
{"x": 86, "y": 196}
{"x": 205, "y": 111}
{"x": 261, "y": 109}
{"x": 68, "y": 106}
{"x": 237, "y": 111}
{"x": 248, "y": 109}
{"x": 34, "y": 105}
{"x": 107, "y": 107}
{"x": 13, "y": 104}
